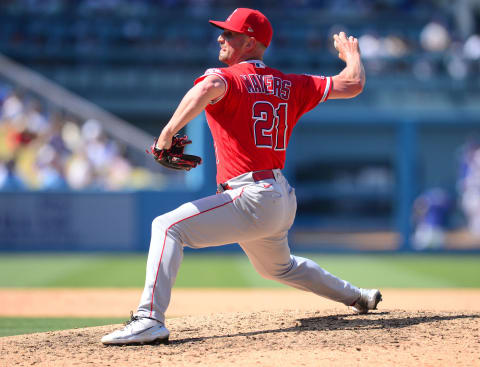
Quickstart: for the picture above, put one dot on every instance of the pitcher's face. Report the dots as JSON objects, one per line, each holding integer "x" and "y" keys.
{"x": 232, "y": 47}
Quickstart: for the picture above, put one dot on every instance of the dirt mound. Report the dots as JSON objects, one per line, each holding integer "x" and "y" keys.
{"x": 280, "y": 338}
{"x": 196, "y": 302}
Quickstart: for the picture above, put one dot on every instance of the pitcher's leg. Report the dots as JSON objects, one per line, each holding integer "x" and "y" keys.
{"x": 211, "y": 221}
{"x": 272, "y": 259}
{"x": 164, "y": 259}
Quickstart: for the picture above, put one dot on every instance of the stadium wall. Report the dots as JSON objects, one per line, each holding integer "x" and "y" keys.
{"x": 419, "y": 153}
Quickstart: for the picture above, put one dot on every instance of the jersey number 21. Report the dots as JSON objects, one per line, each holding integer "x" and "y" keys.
{"x": 270, "y": 125}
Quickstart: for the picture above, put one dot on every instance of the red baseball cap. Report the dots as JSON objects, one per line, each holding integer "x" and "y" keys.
{"x": 250, "y": 22}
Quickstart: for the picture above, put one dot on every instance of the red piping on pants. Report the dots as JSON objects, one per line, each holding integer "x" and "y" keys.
{"x": 165, "y": 240}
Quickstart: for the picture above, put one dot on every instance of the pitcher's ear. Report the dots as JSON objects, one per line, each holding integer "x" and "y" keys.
{"x": 252, "y": 42}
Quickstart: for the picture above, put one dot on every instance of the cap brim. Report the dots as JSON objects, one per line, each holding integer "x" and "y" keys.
{"x": 224, "y": 25}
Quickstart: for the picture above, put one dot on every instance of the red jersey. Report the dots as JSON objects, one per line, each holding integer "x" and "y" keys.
{"x": 251, "y": 123}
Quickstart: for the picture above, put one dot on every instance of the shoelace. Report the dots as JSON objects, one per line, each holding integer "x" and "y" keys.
{"x": 136, "y": 318}
{"x": 132, "y": 319}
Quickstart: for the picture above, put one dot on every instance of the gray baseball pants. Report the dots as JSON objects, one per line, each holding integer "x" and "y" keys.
{"x": 257, "y": 215}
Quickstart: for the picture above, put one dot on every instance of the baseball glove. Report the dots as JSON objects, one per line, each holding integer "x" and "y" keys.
{"x": 174, "y": 158}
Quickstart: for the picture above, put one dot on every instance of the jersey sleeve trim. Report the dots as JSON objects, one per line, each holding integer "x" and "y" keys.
{"x": 328, "y": 88}
{"x": 199, "y": 79}
{"x": 226, "y": 89}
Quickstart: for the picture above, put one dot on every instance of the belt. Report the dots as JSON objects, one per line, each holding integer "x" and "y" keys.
{"x": 257, "y": 176}
{"x": 262, "y": 175}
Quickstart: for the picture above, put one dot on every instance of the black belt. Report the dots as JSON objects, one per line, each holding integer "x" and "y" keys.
{"x": 257, "y": 176}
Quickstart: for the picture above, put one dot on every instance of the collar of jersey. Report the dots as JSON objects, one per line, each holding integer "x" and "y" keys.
{"x": 253, "y": 62}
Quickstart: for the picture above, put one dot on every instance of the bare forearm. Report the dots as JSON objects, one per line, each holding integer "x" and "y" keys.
{"x": 354, "y": 70}
{"x": 192, "y": 104}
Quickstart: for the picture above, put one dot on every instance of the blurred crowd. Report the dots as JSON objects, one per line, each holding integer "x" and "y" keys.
{"x": 447, "y": 40}
{"x": 468, "y": 185}
{"x": 433, "y": 209}
{"x": 141, "y": 6}
{"x": 45, "y": 150}
{"x": 431, "y": 213}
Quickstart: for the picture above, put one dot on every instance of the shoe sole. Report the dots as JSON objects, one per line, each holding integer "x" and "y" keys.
{"x": 159, "y": 341}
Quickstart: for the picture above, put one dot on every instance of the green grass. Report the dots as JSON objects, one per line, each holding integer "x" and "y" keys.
{"x": 27, "y": 325}
{"x": 214, "y": 270}
{"x": 234, "y": 271}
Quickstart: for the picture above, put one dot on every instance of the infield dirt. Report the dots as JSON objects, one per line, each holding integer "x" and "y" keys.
{"x": 260, "y": 328}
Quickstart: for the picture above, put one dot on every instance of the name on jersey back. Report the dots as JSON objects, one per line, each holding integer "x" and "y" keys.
{"x": 267, "y": 84}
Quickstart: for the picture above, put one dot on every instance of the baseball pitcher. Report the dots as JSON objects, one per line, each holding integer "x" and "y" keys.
{"x": 251, "y": 111}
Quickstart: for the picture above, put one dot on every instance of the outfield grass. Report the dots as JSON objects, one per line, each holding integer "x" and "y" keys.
{"x": 26, "y": 325}
{"x": 232, "y": 271}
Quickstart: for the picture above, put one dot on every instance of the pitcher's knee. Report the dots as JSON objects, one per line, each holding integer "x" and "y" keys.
{"x": 160, "y": 223}
{"x": 164, "y": 225}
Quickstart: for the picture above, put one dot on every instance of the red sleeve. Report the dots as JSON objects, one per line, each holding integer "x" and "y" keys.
{"x": 313, "y": 89}
{"x": 220, "y": 73}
